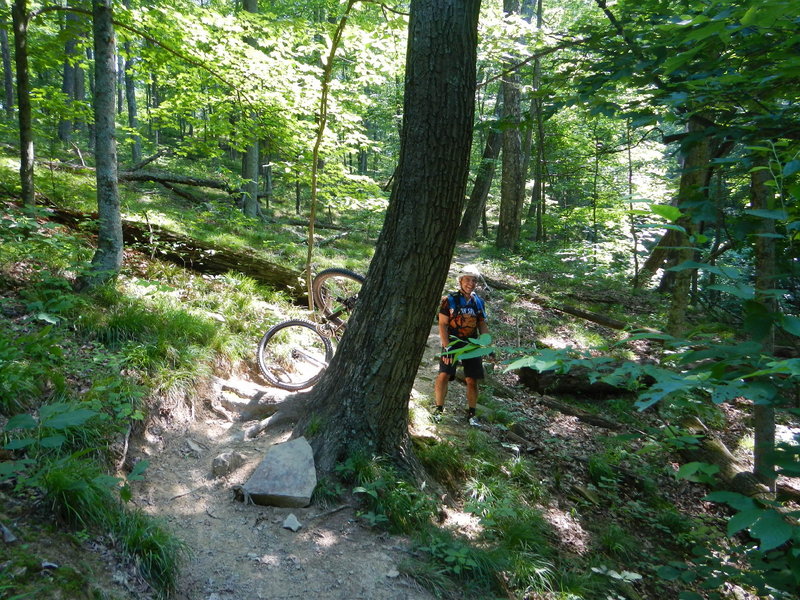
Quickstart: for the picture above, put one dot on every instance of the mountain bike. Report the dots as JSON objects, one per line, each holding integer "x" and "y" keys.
{"x": 294, "y": 354}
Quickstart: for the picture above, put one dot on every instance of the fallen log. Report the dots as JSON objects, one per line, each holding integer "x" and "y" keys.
{"x": 575, "y": 382}
{"x": 197, "y": 255}
{"x": 588, "y": 315}
{"x": 157, "y": 177}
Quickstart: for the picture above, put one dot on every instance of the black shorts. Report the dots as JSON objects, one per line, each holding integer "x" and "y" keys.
{"x": 473, "y": 367}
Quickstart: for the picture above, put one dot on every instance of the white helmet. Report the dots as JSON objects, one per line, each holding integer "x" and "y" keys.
{"x": 468, "y": 271}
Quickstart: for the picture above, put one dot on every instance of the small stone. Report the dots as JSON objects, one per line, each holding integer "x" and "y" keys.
{"x": 226, "y": 463}
{"x": 393, "y": 573}
{"x": 292, "y": 523}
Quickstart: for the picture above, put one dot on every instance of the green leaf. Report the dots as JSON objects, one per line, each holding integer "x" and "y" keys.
{"x": 482, "y": 340}
{"x": 125, "y": 493}
{"x": 52, "y": 441}
{"x": 745, "y": 292}
{"x": 790, "y": 168}
{"x": 765, "y": 213}
{"x": 21, "y": 421}
{"x": 474, "y": 353}
{"x": 669, "y": 573}
{"x": 139, "y": 468}
{"x": 743, "y": 520}
{"x": 791, "y": 324}
{"x": 669, "y": 212}
{"x": 749, "y": 18}
{"x": 772, "y": 530}
{"x": 19, "y": 444}
{"x": 63, "y": 420}
{"x": 732, "y": 499}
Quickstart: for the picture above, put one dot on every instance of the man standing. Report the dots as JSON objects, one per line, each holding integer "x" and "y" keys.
{"x": 461, "y": 316}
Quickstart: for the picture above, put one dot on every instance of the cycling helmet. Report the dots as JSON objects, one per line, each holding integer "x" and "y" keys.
{"x": 468, "y": 271}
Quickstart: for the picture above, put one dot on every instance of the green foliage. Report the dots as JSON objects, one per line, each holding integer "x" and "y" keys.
{"x": 395, "y": 503}
{"x": 80, "y": 494}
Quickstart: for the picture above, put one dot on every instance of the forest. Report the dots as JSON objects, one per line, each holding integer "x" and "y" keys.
{"x": 623, "y": 174}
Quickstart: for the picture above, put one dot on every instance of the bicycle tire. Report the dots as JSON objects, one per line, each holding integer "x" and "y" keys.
{"x": 335, "y": 292}
{"x": 293, "y": 354}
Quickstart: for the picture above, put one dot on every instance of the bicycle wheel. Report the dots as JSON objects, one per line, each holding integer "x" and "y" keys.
{"x": 293, "y": 355}
{"x": 335, "y": 292}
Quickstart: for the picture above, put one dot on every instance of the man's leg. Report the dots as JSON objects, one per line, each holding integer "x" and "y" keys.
{"x": 440, "y": 389}
{"x": 472, "y": 393}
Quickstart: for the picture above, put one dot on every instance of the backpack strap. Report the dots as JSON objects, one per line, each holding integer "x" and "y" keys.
{"x": 457, "y": 305}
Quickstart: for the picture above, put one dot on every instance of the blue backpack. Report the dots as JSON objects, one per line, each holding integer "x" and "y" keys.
{"x": 457, "y": 305}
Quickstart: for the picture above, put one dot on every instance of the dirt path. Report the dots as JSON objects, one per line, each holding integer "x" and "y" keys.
{"x": 242, "y": 551}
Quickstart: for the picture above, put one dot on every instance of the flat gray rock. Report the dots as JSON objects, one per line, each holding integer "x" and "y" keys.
{"x": 286, "y": 477}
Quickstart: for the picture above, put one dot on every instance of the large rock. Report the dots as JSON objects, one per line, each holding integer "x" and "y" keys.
{"x": 286, "y": 476}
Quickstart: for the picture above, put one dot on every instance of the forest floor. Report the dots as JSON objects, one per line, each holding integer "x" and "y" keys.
{"x": 243, "y": 552}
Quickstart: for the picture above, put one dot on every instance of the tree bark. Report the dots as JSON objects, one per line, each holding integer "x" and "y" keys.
{"x": 512, "y": 182}
{"x": 250, "y": 162}
{"x": 693, "y": 188}
{"x": 130, "y": 100}
{"x": 762, "y": 198}
{"x": 362, "y": 400}
{"x": 483, "y": 181}
{"x": 8, "y": 75}
{"x": 107, "y": 258}
{"x": 65, "y": 125}
{"x": 19, "y": 15}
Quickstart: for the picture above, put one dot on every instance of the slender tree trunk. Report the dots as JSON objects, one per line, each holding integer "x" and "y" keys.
{"x": 65, "y": 125}
{"x": 693, "y": 187}
{"x": 512, "y": 182}
{"x": 536, "y": 208}
{"x": 120, "y": 71}
{"x": 19, "y": 15}
{"x": 91, "y": 126}
{"x": 476, "y": 203}
{"x": 362, "y": 400}
{"x": 108, "y": 256}
{"x": 8, "y": 74}
{"x": 762, "y": 198}
{"x": 250, "y": 164}
{"x": 595, "y": 193}
{"x": 130, "y": 101}
{"x": 634, "y": 233}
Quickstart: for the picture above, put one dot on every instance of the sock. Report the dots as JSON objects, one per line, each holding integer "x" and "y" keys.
{"x": 470, "y": 412}
{"x": 440, "y": 408}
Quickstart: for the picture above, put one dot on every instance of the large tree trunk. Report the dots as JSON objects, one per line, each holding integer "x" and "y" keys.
{"x": 107, "y": 258}
{"x": 483, "y": 181}
{"x": 512, "y": 182}
{"x": 19, "y": 14}
{"x": 362, "y": 400}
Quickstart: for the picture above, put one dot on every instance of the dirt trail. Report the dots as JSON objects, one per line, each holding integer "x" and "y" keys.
{"x": 242, "y": 551}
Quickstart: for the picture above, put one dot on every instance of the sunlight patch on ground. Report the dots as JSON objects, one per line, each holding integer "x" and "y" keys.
{"x": 570, "y": 532}
{"x": 326, "y": 538}
{"x": 463, "y": 522}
